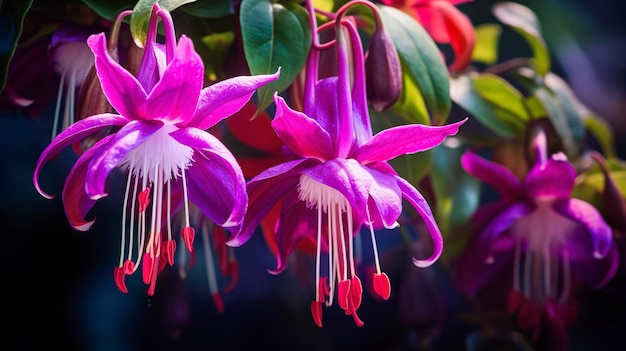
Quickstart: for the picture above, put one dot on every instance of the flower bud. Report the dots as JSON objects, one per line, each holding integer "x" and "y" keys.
{"x": 383, "y": 73}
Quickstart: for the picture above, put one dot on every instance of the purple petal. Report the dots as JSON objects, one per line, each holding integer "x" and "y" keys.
{"x": 174, "y": 98}
{"x": 121, "y": 88}
{"x": 500, "y": 224}
{"x": 551, "y": 179}
{"x": 216, "y": 184}
{"x": 494, "y": 174}
{"x": 597, "y": 272}
{"x": 226, "y": 97}
{"x": 401, "y": 140}
{"x": 588, "y": 217}
{"x": 387, "y": 198}
{"x": 423, "y": 209}
{"x": 75, "y": 200}
{"x": 74, "y": 133}
{"x": 348, "y": 177}
{"x": 301, "y": 134}
{"x": 264, "y": 191}
{"x": 110, "y": 155}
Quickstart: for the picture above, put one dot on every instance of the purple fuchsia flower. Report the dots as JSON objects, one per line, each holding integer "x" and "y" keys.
{"x": 161, "y": 142}
{"x": 551, "y": 239}
{"x": 338, "y": 179}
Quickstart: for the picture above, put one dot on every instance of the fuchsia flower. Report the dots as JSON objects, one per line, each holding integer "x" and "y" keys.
{"x": 551, "y": 239}
{"x": 445, "y": 24}
{"x": 162, "y": 143}
{"x": 338, "y": 179}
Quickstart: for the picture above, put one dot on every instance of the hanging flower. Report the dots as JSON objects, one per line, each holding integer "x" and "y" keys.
{"x": 338, "y": 179}
{"x": 161, "y": 142}
{"x": 551, "y": 239}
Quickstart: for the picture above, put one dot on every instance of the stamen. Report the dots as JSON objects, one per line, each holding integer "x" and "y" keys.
{"x": 55, "y": 123}
{"x": 567, "y": 278}
{"x": 210, "y": 267}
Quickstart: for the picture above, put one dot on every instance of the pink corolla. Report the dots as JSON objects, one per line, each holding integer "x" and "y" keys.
{"x": 550, "y": 239}
{"x": 445, "y": 24}
{"x": 161, "y": 142}
{"x": 338, "y": 179}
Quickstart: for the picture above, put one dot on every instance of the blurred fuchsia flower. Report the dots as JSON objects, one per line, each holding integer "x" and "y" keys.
{"x": 338, "y": 178}
{"x": 551, "y": 239}
{"x": 162, "y": 142}
{"x": 445, "y": 24}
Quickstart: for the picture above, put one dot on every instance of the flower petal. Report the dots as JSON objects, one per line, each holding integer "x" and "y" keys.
{"x": 423, "y": 209}
{"x": 551, "y": 179}
{"x": 597, "y": 272}
{"x": 500, "y": 224}
{"x": 494, "y": 174}
{"x": 226, "y": 97}
{"x": 72, "y": 134}
{"x": 174, "y": 97}
{"x": 110, "y": 155}
{"x": 387, "y": 198}
{"x": 588, "y": 217}
{"x": 303, "y": 135}
{"x": 406, "y": 139}
{"x": 216, "y": 183}
{"x": 121, "y": 88}
{"x": 75, "y": 200}
{"x": 460, "y": 34}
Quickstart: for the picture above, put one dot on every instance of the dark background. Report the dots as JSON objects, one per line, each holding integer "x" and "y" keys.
{"x": 58, "y": 283}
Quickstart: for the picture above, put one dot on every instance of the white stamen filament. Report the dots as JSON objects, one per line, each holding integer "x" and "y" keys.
{"x": 567, "y": 278}
{"x": 374, "y": 246}
{"x": 57, "y": 108}
{"x": 208, "y": 258}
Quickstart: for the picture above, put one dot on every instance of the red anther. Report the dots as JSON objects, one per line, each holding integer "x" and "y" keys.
{"x": 356, "y": 292}
{"x": 352, "y": 311}
{"x": 144, "y": 199}
{"x": 528, "y": 317}
{"x": 129, "y": 267}
{"x": 322, "y": 289}
{"x": 153, "y": 275}
{"x": 169, "y": 249}
{"x": 234, "y": 276}
{"x": 343, "y": 289}
{"x": 188, "y": 234}
{"x": 382, "y": 286}
{"x": 316, "y": 311}
{"x": 514, "y": 301}
{"x": 146, "y": 268}
{"x": 119, "y": 276}
{"x": 219, "y": 302}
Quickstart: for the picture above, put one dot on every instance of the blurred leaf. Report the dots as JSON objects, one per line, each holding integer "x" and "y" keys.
{"x": 486, "y": 48}
{"x": 501, "y": 94}
{"x": 141, "y": 16}
{"x": 209, "y": 8}
{"x": 12, "y": 15}
{"x": 525, "y": 22}
{"x": 501, "y": 121}
{"x": 111, "y": 8}
{"x": 601, "y": 130}
{"x": 411, "y": 105}
{"x": 274, "y": 35}
{"x": 423, "y": 60}
{"x": 218, "y": 46}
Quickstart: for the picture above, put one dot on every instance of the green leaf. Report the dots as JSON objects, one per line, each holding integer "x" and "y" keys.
{"x": 486, "y": 48}
{"x": 501, "y": 94}
{"x": 525, "y": 22}
{"x": 423, "y": 60}
{"x": 274, "y": 35}
{"x": 111, "y": 8}
{"x": 12, "y": 15}
{"x": 209, "y": 8}
{"x": 601, "y": 130}
{"x": 485, "y": 106}
{"x": 410, "y": 104}
{"x": 141, "y": 16}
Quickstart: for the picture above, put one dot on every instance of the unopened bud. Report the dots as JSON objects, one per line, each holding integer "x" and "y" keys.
{"x": 383, "y": 72}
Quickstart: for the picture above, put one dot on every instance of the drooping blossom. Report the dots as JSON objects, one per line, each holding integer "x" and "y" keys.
{"x": 161, "y": 142}
{"x": 551, "y": 240}
{"x": 445, "y": 23}
{"x": 338, "y": 179}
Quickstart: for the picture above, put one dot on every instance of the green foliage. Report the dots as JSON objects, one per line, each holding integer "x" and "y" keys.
{"x": 12, "y": 15}
{"x": 141, "y": 16}
{"x": 110, "y": 9}
{"x": 486, "y": 48}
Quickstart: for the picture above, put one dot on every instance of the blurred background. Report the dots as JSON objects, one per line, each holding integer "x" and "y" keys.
{"x": 59, "y": 284}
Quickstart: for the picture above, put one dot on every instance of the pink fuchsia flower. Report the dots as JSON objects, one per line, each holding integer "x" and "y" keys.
{"x": 161, "y": 142}
{"x": 550, "y": 240}
{"x": 338, "y": 179}
{"x": 445, "y": 24}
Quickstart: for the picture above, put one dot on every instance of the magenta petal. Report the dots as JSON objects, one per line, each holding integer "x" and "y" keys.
{"x": 597, "y": 272}
{"x": 121, "y": 88}
{"x": 301, "y": 134}
{"x": 500, "y": 224}
{"x": 226, "y": 97}
{"x": 109, "y": 156}
{"x": 401, "y": 140}
{"x": 587, "y": 216}
{"x": 387, "y": 198}
{"x": 216, "y": 183}
{"x": 550, "y": 179}
{"x": 494, "y": 174}
{"x": 75, "y": 200}
{"x": 423, "y": 209}
{"x": 175, "y": 96}
{"x": 72, "y": 134}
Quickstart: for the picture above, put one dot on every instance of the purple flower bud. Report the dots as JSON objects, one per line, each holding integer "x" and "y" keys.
{"x": 383, "y": 73}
